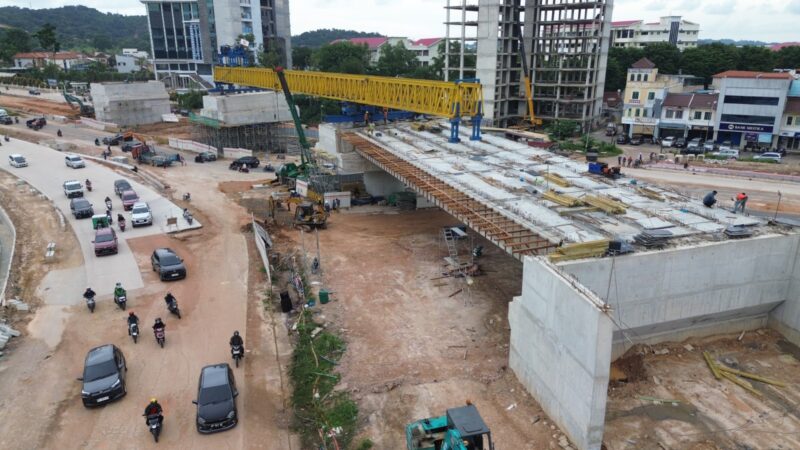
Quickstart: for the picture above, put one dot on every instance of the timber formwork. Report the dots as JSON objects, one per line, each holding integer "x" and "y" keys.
{"x": 516, "y": 239}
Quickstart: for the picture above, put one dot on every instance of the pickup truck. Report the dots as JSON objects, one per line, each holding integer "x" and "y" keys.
{"x": 36, "y": 123}
{"x": 73, "y": 188}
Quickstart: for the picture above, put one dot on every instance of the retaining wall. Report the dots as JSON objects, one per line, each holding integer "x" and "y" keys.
{"x": 561, "y": 351}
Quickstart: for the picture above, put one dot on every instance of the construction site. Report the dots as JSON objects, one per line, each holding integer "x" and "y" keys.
{"x": 444, "y": 282}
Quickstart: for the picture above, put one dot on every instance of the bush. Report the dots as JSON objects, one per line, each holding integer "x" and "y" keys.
{"x": 191, "y": 99}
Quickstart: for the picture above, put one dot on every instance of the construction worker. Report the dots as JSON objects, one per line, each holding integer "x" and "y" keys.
{"x": 710, "y": 199}
{"x": 741, "y": 200}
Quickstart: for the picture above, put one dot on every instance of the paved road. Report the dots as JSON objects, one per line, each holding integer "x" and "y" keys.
{"x": 46, "y": 172}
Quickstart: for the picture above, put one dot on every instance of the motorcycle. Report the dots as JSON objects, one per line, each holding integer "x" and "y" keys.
{"x": 59, "y": 133}
{"x": 188, "y": 216}
{"x": 108, "y": 205}
{"x": 121, "y": 223}
{"x": 90, "y": 303}
{"x": 133, "y": 330}
{"x": 187, "y": 197}
{"x": 88, "y": 185}
{"x": 173, "y": 308}
{"x": 121, "y": 301}
{"x": 160, "y": 336}
{"x": 236, "y": 353}
{"x": 154, "y": 424}
{"x": 97, "y": 142}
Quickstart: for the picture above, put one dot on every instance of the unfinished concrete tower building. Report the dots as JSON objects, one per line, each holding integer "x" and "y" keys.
{"x": 566, "y": 46}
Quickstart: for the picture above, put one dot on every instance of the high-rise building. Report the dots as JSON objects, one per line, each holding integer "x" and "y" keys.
{"x": 566, "y": 47}
{"x": 672, "y": 29}
{"x": 186, "y": 36}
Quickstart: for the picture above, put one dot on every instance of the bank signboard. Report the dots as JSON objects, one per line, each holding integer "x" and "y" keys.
{"x": 723, "y": 126}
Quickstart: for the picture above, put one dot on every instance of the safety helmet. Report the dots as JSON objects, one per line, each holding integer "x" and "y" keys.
{"x": 153, "y": 400}
{"x": 158, "y": 319}
{"x": 235, "y": 333}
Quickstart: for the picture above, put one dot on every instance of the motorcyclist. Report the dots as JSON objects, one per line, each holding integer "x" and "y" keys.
{"x": 169, "y": 299}
{"x": 89, "y": 293}
{"x": 132, "y": 319}
{"x": 119, "y": 291}
{"x": 237, "y": 340}
{"x": 159, "y": 325}
{"x": 108, "y": 203}
{"x": 96, "y": 141}
{"x": 153, "y": 409}
{"x": 59, "y": 133}
{"x": 88, "y": 184}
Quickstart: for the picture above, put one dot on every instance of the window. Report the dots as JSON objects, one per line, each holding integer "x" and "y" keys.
{"x": 679, "y": 114}
{"x": 789, "y": 120}
{"x": 633, "y": 77}
{"x": 743, "y": 118}
{"x": 630, "y": 111}
{"x": 639, "y": 77}
{"x": 698, "y": 115}
{"x": 746, "y": 100}
{"x": 635, "y": 95}
{"x": 645, "y": 77}
{"x": 651, "y": 95}
{"x": 638, "y": 112}
{"x": 670, "y": 114}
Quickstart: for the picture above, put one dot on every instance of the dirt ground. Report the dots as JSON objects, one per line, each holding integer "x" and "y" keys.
{"x": 32, "y": 105}
{"x": 705, "y": 413}
{"x": 414, "y": 348}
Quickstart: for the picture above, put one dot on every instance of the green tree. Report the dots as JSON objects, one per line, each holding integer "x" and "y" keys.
{"x": 396, "y": 60}
{"x": 788, "y": 58}
{"x": 564, "y": 129}
{"x": 191, "y": 100}
{"x": 47, "y": 38}
{"x": 665, "y": 56}
{"x": 705, "y": 61}
{"x": 620, "y": 60}
{"x": 342, "y": 57}
{"x": 301, "y": 57}
{"x": 102, "y": 42}
{"x": 13, "y": 41}
{"x": 760, "y": 59}
{"x": 269, "y": 58}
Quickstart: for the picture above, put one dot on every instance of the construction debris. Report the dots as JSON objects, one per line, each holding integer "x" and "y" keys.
{"x": 556, "y": 179}
{"x": 582, "y": 250}
{"x": 561, "y": 199}
{"x": 605, "y": 204}
{"x": 721, "y": 371}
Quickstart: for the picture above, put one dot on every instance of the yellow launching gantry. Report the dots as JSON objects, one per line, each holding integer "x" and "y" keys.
{"x": 437, "y": 98}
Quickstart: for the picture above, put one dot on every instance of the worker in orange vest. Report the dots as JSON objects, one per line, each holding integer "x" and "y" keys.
{"x": 741, "y": 200}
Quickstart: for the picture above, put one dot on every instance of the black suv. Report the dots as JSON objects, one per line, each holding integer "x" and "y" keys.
{"x": 216, "y": 399}
{"x": 6, "y": 120}
{"x": 121, "y": 186}
{"x": 251, "y": 162}
{"x": 81, "y": 208}
{"x": 113, "y": 140}
{"x": 168, "y": 264}
{"x": 103, "y": 376}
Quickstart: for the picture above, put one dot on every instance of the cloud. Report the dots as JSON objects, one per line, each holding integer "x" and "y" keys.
{"x": 719, "y": 8}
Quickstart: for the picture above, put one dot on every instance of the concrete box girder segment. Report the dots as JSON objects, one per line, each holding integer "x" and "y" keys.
{"x": 519, "y": 241}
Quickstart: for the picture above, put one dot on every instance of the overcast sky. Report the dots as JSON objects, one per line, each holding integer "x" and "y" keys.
{"x": 764, "y": 20}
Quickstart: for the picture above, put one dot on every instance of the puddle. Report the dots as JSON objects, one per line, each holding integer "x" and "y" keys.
{"x": 48, "y": 324}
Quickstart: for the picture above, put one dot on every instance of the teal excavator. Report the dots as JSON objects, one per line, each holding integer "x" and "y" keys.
{"x": 86, "y": 110}
{"x": 460, "y": 428}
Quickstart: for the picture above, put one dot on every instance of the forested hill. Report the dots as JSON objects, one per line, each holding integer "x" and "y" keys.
{"x": 318, "y": 38}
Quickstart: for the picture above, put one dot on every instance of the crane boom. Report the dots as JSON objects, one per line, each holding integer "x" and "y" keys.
{"x": 305, "y": 155}
{"x": 526, "y": 78}
{"x": 436, "y": 98}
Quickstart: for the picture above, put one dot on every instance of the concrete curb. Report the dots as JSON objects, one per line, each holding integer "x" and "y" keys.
{"x": 7, "y": 273}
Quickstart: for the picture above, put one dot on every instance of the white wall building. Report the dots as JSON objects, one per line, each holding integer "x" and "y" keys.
{"x": 128, "y": 63}
{"x": 672, "y": 29}
{"x": 64, "y": 60}
{"x": 135, "y": 52}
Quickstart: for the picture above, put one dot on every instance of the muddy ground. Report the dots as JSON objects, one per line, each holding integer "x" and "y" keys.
{"x": 700, "y": 412}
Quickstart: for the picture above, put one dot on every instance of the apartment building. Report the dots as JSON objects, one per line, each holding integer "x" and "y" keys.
{"x": 671, "y": 29}
{"x": 425, "y": 49}
{"x": 186, "y": 36}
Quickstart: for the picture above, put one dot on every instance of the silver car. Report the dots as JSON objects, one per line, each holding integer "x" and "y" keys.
{"x": 141, "y": 214}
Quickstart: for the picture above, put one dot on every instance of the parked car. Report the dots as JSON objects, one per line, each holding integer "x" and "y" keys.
{"x": 74, "y": 161}
{"x": 73, "y": 188}
{"x": 710, "y": 146}
{"x": 129, "y": 198}
{"x": 696, "y": 143}
{"x": 680, "y": 143}
{"x": 168, "y": 264}
{"x": 636, "y": 139}
{"x": 104, "y": 372}
{"x": 34, "y": 92}
{"x": 768, "y": 156}
{"x": 251, "y": 162}
{"x": 726, "y": 145}
{"x": 141, "y": 215}
{"x": 728, "y": 154}
{"x": 208, "y": 156}
{"x": 622, "y": 139}
{"x": 113, "y": 140}
{"x": 105, "y": 242}
{"x": 6, "y": 120}
{"x": 121, "y": 186}
{"x": 611, "y": 129}
{"x": 216, "y": 399}
{"x": 128, "y": 146}
{"x": 81, "y": 208}
{"x": 17, "y": 160}
{"x": 668, "y": 141}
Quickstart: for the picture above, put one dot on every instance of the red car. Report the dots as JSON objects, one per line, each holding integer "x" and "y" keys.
{"x": 105, "y": 242}
{"x": 129, "y": 198}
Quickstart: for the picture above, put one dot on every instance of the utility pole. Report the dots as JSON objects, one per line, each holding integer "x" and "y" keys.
{"x": 319, "y": 258}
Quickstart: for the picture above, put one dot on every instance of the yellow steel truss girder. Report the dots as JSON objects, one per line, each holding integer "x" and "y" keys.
{"x": 437, "y": 98}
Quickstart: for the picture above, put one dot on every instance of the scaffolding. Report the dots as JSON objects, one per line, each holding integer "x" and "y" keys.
{"x": 271, "y": 138}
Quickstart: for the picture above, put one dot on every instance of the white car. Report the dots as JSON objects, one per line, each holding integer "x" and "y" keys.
{"x": 725, "y": 146}
{"x": 17, "y": 160}
{"x": 73, "y": 188}
{"x": 709, "y": 146}
{"x": 729, "y": 154}
{"x": 769, "y": 156}
{"x": 141, "y": 215}
{"x": 74, "y": 161}
{"x": 668, "y": 141}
